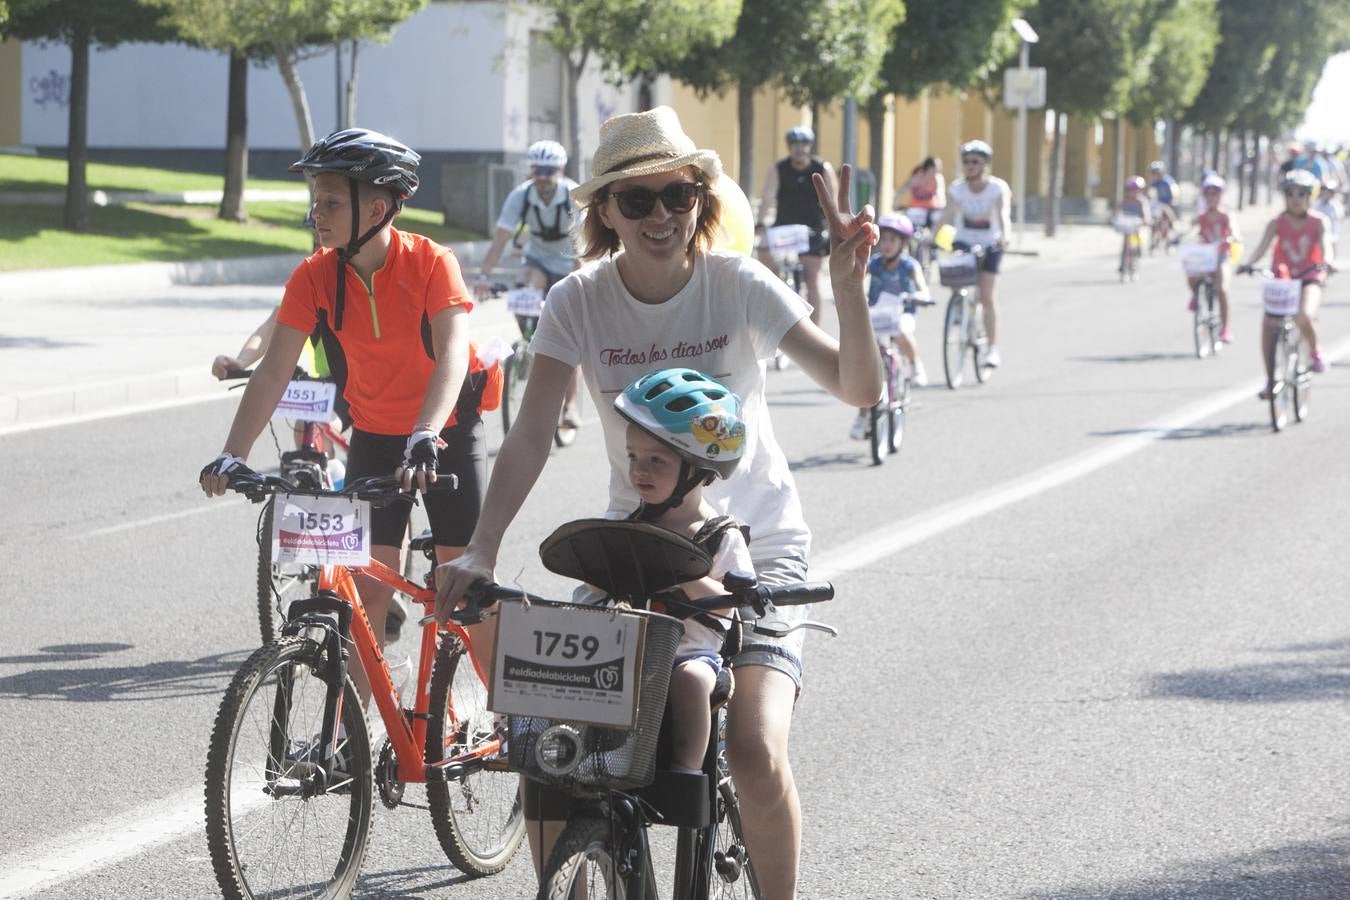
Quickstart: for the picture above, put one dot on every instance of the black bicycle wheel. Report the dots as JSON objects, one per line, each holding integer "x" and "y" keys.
{"x": 899, "y": 408}
{"x": 1300, "y": 379}
{"x": 1200, "y": 324}
{"x": 954, "y": 340}
{"x": 478, "y": 818}
{"x": 513, "y": 383}
{"x": 271, "y": 832}
{"x": 1280, "y": 392}
{"x": 731, "y": 876}
{"x": 979, "y": 345}
{"x": 584, "y": 855}
{"x": 1214, "y": 318}
{"x": 278, "y": 584}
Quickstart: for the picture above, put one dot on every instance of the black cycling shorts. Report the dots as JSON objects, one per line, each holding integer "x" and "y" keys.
{"x": 453, "y": 514}
{"x": 991, "y": 261}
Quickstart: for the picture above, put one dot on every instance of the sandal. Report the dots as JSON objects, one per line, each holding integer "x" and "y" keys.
{"x": 569, "y": 422}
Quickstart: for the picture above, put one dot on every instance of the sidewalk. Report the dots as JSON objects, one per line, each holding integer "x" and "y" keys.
{"x": 77, "y": 343}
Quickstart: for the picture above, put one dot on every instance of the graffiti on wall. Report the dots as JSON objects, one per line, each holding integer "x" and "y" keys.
{"x": 54, "y": 88}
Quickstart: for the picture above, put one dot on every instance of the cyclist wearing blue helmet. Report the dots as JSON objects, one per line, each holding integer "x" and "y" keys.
{"x": 790, "y": 196}
{"x": 684, "y": 432}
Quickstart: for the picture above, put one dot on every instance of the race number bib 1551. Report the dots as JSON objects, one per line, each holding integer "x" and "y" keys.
{"x": 321, "y": 531}
{"x": 577, "y": 663}
{"x": 311, "y": 401}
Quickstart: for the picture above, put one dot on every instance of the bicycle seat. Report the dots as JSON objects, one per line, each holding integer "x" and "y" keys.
{"x": 628, "y": 560}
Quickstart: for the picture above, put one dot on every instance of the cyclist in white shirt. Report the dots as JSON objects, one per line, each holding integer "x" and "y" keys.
{"x": 980, "y": 207}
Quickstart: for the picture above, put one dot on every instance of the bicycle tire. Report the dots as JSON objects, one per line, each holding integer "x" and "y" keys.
{"x": 512, "y": 390}
{"x": 1199, "y": 325}
{"x": 1279, "y": 394}
{"x": 979, "y": 345}
{"x": 586, "y": 851}
{"x": 1215, "y": 320}
{"x": 1302, "y": 385}
{"x": 899, "y": 409}
{"x": 292, "y": 668}
{"x": 478, "y": 819}
{"x": 953, "y": 340}
{"x": 876, "y": 420}
{"x": 277, "y": 585}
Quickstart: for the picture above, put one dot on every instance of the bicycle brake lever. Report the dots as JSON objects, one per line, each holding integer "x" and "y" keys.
{"x": 784, "y": 631}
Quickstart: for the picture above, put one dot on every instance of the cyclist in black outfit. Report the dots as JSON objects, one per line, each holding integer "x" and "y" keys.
{"x": 791, "y": 197}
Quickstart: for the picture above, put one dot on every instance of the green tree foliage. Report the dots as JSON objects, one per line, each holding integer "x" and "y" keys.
{"x": 81, "y": 24}
{"x": 1086, "y": 49}
{"x": 815, "y": 50}
{"x": 926, "y": 49}
{"x": 1175, "y": 43}
{"x": 631, "y": 38}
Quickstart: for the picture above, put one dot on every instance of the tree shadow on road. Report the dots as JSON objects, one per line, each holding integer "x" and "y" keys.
{"x": 1226, "y": 429}
{"x": 1307, "y": 870}
{"x": 9, "y": 342}
{"x": 1318, "y": 672}
{"x": 1134, "y": 358}
{"x": 64, "y": 653}
{"x": 831, "y": 461}
{"x": 162, "y": 680}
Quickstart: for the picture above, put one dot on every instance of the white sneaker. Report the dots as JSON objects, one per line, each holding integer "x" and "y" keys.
{"x": 859, "y": 429}
{"x": 920, "y": 375}
{"x": 992, "y": 359}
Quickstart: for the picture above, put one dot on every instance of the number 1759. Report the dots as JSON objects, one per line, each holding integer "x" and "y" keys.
{"x": 546, "y": 643}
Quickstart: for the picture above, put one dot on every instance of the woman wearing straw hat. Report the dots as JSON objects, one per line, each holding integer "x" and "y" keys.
{"x": 656, "y": 295}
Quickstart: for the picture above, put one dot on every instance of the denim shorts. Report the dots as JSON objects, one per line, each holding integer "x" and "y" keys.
{"x": 783, "y": 654}
{"x": 714, "y": 660}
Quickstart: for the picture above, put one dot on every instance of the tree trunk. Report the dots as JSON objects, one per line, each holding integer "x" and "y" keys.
{"x": 1216, "y": 154}
{"x": 285, "y": 57}
{"x": 645, "y": 99}
{"x": 75, "y": 216}
{"x": 876, "y": 146}
{"x": 1256, "y": 169}
{"x": 232, "y": 207}
{"x": 350, "y": 117}
{"x": 1119, "y": 191}
{"x": 1052, "y": 196}
{"x": 1173, "y": 146}
{"x": 745, "y": 122}
{"x": 571, "y": 119}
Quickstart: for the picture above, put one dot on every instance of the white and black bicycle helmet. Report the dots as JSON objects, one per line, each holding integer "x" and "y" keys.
{"x": 800, "y": 134}
{"x": 546, "y": 153}
{"x": 977, "y": 148}
{"x": 1300, "y": 178}
{"x": 371, "y": 157}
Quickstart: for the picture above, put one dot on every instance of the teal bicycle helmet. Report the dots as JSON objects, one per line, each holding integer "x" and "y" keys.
{"x": 695, "y": 416}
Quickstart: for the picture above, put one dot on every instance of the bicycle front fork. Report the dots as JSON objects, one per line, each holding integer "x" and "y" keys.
{"x": 333, "y": 615}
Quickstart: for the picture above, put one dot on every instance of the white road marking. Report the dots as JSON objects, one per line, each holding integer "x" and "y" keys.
{"x": 97, "y": 846}
{"x": 213, "y": 506}
{"x": 111, "y": 413}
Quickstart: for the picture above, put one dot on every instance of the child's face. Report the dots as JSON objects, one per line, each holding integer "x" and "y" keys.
{"x": 1212, "y": 196}
{"x": 1296, "y": 199}
{"x": 332, "y": 210}
{"x": 653, "y": 468}
{"x": 891, "y": 243}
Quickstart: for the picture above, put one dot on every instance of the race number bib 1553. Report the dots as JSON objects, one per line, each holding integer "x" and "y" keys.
{"x": 321, "y": 531}
{"x": 311, "y": 401}
{"x": 577, "y": 663}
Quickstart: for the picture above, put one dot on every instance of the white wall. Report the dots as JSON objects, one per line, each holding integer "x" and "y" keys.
{"x": 438, "y": 85}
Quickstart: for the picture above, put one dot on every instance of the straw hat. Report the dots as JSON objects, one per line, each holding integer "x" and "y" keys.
{"x": 645, "y": 143}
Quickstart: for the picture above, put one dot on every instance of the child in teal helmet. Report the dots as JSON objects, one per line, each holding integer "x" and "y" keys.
{"x": 684, "y": 431}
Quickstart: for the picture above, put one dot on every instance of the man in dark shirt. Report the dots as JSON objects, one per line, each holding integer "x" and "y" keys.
{"x": 790, "y": 196}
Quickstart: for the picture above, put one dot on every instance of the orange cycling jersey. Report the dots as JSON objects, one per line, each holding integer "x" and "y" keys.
{"x": 388, "y": 358}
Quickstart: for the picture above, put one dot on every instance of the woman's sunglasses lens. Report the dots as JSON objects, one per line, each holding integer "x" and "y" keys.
{"x": 678, "y": 197}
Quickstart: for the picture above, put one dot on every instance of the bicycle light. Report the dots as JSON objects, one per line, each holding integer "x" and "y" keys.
{"x": 558, "y": 749}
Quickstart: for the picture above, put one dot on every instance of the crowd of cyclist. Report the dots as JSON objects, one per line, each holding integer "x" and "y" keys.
{"x": 631, "y": 258}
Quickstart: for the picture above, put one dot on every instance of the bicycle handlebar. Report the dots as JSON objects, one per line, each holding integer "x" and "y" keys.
{"x": 299, "y": 375}
{"x": 378, "y": 490}
{"x": 1268, "y": 273}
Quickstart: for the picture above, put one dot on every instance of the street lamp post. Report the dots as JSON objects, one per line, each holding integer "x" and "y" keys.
{"x": 1029, "y": 37}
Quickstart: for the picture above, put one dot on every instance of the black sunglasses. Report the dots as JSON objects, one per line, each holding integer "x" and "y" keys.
{"x": 1297, "y": 192}
{"x": 972, "y": 160}
{"x": 545, "y": 170}
{"x": 676, "y": 197}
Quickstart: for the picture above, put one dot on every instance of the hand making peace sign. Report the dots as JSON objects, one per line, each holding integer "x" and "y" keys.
{"x": 852, "y": 235}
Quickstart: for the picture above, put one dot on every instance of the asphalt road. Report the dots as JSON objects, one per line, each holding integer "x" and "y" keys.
{"x": 1093, "y": 633}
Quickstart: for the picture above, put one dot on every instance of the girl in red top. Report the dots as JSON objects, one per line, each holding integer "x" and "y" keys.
{"x": 1215, "y": 227}
{"x": 926, "y": 190}
{"x": 1304, "y": 251}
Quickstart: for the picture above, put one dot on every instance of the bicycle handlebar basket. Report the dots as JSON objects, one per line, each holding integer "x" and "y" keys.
{"x": 584, "y": 757}
{"x": 961, "y": 269}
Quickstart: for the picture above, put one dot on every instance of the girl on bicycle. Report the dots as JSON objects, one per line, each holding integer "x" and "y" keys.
{"x": 1215, "y": 227}
{"x": 893, "y": 271}
{"x": 926, "y": 190}
{"x": 684, "y": 432}
{"x": 1303, "y": 251}
{"x": 656, "y": 290}
{"x": 1134, "y": 206}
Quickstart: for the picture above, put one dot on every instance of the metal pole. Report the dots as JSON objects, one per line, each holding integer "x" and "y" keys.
{"x": 1021, "y": 157}
{"x": 337, "y": 86}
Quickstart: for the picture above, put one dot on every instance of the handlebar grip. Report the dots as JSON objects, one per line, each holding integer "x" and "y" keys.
{"x": 798, "y": 594}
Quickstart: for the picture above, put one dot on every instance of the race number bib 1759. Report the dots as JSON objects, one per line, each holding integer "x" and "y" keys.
{"x": 321, "y": 531}
{"x": 310, "y": 401}
{"x": 577, "y": 663}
